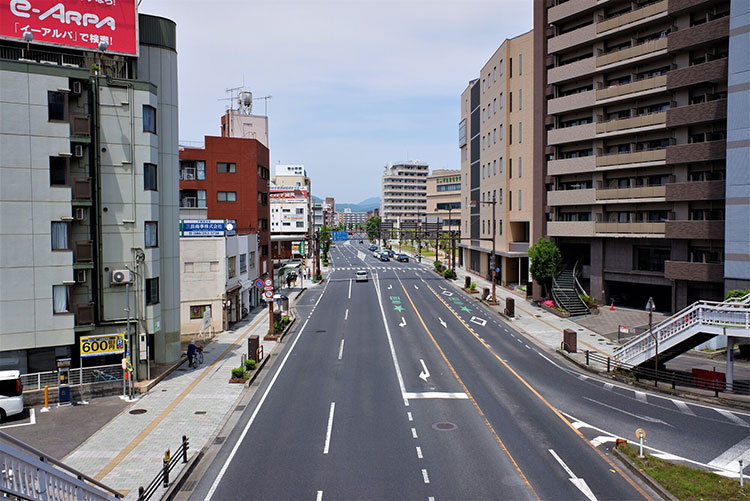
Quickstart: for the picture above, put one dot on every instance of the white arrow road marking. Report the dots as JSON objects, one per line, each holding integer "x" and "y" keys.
{"x": 403, "y": 322}
{"x": 578, "y": 482}
{"x": 425, "y": 373}
{"x": 478, "y": 321}
{"x": 602, "y": 439}
{"x": 645, "y": 418}
{"x": 390, "y": 287}
{"x": 416, "y": 287}
{"x": 442, "y": 322}
{"x": 447, "y": 293}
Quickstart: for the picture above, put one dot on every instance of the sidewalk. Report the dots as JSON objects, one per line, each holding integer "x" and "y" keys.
{"x": 127, "y": 452}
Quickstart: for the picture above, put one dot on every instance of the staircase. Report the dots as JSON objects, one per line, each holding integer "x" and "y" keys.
{"x": 565, "y": 293}
{"x": 687, "y": 329}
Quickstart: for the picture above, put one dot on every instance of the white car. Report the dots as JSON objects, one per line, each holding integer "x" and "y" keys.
{"x": 360, "y": 276}
{"x": 11, "y": 394}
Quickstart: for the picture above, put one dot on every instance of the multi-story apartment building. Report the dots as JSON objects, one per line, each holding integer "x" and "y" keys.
{"x": 633, "y": 123}
{"x": 350, "y": 219}
{"x": 88, "y": 194}
{"x": 329, "y": 212}
{"x": 444, "y": 198}
{"x": 317, "y": 215}
{"x": 291, "y": 211}
{"x": 403, "y": 196}
{"x": 497, "y": 157}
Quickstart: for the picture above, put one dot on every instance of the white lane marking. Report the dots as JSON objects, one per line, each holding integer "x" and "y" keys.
{"x": 436, "y": 394}
{"x": 683, "y": 407}
{"x": 341, "y": 349}
{"x": 602, "y": 439}
{"x": 578, "y": 482}
{"x": 732, "y": 417}
{"x": 442, "y": 322}
{"x": 415, "y": 286}
{"x": 403, "y": 322}
{"x": 478, "y": 321}
{"x": 330, "y": 428}
{"x": 608, "y": 386}
{"x": 519, "y": 340}
{"x": 346, "y": 315}
{"x": 578, "y": 425}
{"x": 236, "y": 447}
{"x": 408, "y": 415}
{"x": 527, "y": 346}
{"x": 730, "y": 458}
{"x": 582, "y": 377}
{"x": 32, "y": 421}
{"x": 640, "y": 396}
{"x": 390, "y": 287}
{"x": 645, "y": 418}
{"x": 419, "y": 453}
{"x": 319, "y": 496}
{"x": 425, "y": 477}
{"x": 548, "y": 360}
{"x": 390, "y": 340}
{"x": 425, "y": 373}
{"x": 413, "y": 433}
{"x": 350, "y": 288}
{"x": 447, "y": 293}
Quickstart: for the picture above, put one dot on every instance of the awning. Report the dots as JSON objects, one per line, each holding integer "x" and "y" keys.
{"x": 234, "y": 289}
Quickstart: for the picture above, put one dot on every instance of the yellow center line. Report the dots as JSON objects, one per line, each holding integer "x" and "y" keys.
{"x": 471, "y": 397}
{"x": 540, "y": 397}
{"x": 148, "y": 429}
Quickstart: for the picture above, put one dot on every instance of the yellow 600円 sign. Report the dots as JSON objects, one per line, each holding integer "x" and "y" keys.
{"x": 106, "y": 344}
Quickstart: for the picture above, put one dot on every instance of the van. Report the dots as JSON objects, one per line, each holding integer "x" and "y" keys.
{"x": 11, "y": 394}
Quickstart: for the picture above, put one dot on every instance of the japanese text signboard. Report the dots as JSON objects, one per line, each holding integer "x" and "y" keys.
{"x": 107, "y": 344}
{"x": 206, "y": 228}
{"x": 77, "y": 23}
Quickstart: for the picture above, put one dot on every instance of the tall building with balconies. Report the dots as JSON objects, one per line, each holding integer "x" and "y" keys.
{"x": 633, "y": 123}
{"x": 404, "y": 192}
{"x": 497, "y": 159}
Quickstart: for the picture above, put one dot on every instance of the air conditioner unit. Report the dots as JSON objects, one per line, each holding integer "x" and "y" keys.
{"x": 77, "y": 87}
{"x": 78, "y": 151}
{"x": 189, "y": 177}
{"x": 120, "y": 277}
{"x": 79, "y": 214}
{"x": 80, "y": 276}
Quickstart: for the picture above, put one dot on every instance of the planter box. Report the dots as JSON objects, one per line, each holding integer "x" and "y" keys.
{"x": 561, "y": 314}
{"x": 238, "y": 380}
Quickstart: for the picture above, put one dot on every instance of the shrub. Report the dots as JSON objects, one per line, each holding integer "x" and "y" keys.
{"x": 590, "y": 301}
{"x": 250, "y": 365}
{"x": 473, "y": 286}
{"x": 448, "y": 273}
{"x": 238, "y": 373}
{"x": 738, "y": 293}
{"x": 438, "y": 266}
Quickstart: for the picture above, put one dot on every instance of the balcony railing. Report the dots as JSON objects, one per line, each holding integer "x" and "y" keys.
{"x": 84, "y": 313}
{"x": 518, "y": 246}
{"x": 632, "y": 16}
{"x": 631, "y": 228}
{"x": 571, "y": 197}
{"x": 572, "y": 70}
{"x": 631, "y": 52}
{"x": 570, "y": 228}
{"x": 571, "y": 165}
{"x": 80, "y": 125}
{"x": 82, "y": 188}
{"x": 696, "y": 230}
{"x": 571, "y": 38}
{"x": 698, "y": 272}
{"x": 571, "y": 134}
{"x": 632, "y": 123}
{"x": 83, "y": 251}
{"x": 631, "y": 87}
{"x": 571, "y": 102}
{"x": 636, "y": 192}
{"x": 657, "y": 155}
{"x": 698, "y": 190}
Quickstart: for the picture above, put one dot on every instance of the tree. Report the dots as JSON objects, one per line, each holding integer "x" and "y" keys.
{"x": 372, "y": 226}
{"x": 544, "y": 258}
{"x": 324, "y": 240}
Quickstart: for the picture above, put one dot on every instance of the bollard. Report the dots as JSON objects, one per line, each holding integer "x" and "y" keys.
{"x": 46, "y": 397}
{"x": 673, "y": 382}
{"x": 185, "y": 447}
{"x": 608, "y": 364}
{"x": 587, "y": 357}
{"x": 141, "y": 493}
{"x": 165, "y": 468}
{"x": 467, "y": 282}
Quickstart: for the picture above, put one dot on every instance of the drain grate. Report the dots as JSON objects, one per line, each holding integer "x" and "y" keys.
{"x": 240, "y": 408}
{"x": 444, "y": 426}
{"x": 138, "y": 411}
{"x": 219, "y": 440}
{"x": 189, "y": 485}
{"x": 320, "y": 331}
{"x": 199, "y": 412}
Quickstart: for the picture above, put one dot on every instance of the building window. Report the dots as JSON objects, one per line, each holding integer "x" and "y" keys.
{"x": 151, "y": 233}
{"x": 60, "y": 235}
{"x": 650, "y": 259}
{"x": 226, "y": 196}
{"x": 510, "y": 200}
{"x": 500, "y": 132}
{"x": 482, "y": 171}
{"x": 510, "y": 133}
{"x": 149, "y": 177}
{"x": 501, "y": 165}
{"x": 232, "y": 267}
{"x": 300, "y": 211}
{"x": 501, "y": 100}
{"x": 501, "y": 68}
{"x": 510, "y": 67}
{"x": 494, "y": 136}
{"x": 520, "y": 132}
{"x": 252, "y": 260}
{"x": 60, "y": 299}
{"x": 300, "y": 224}
{"x": 197, "y": 311}
{"x": 519, "y": 199}
{"x": 202, "y": 198}
{"x": 494, "y": 105}
{"x": 57, "y": 106}
{"x": 149, "y": 119}
{"x": 520, "y": 168}
{"x": 226, "y": 168}
{"x": 152, "y": 290}
{"x": 510, "y": 101}
{"x": 520, "y": 99}
{"x": 59, "y": 171}
{"x": 243, "y": 263}
{"x": 500, "y": 227}
{"x": 494, "y": 167}
{"x": 201, "y": 170}
{"x": 500, "y": 200}
{"x": 520, "y": 64}
{"x": 510, "y": 168}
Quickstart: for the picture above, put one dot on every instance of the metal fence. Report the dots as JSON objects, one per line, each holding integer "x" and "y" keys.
{"x": 168, "y": 464}
{"x": 86, "y": 375}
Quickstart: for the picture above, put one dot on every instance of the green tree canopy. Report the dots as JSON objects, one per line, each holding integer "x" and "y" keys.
{"x": 545, "y": 259}
{"x": 372, "y": 227}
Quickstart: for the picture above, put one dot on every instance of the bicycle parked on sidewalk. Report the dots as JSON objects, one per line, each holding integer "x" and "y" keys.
{"x": 198, "y": 356}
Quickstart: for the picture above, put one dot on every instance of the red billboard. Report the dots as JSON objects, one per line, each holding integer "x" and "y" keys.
{"x": 76, "y": 23}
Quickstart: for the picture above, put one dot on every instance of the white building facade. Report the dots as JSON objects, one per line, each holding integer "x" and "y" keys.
{"x": 403, "y": 195}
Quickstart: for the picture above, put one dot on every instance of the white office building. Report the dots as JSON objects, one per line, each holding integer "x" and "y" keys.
{"x": 404, "y": 192}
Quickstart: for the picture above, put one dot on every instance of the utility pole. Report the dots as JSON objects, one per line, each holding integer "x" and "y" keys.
{"x": 273, "y": 281}
{"x": 492, "y": 257}
{"x": 650, "y": 307}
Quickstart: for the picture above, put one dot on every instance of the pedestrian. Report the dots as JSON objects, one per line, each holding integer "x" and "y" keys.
{"x": 191, "y": 353}
{"x": 288, "y": 281}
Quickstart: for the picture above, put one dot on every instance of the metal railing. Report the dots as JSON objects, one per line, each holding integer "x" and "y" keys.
{"x": 168, "y": 464}
{"x": 86, "y": 375}
{"x": 28, "y": 473}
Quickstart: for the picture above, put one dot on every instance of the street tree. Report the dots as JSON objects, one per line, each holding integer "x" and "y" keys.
{"x": 372, "y": 226}
{"x": 545, "y": 259}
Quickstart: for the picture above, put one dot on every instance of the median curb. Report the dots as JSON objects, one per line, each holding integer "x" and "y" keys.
{"x": 645, "y": 477}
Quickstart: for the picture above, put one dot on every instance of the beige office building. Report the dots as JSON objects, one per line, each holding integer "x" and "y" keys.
{"x": 497, "y": 156}
{"x": 444, "y": 198}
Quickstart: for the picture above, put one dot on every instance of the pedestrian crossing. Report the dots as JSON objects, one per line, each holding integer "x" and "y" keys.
{"x": 385, "y": 268}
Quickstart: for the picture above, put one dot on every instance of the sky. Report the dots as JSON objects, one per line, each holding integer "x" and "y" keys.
{"x": 355, "y": 84}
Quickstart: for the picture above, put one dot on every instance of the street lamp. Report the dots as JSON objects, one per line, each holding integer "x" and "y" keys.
{"x": 650, "y": 307}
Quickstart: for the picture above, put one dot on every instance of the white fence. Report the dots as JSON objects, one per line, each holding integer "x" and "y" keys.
{"x": 87, "y": 375}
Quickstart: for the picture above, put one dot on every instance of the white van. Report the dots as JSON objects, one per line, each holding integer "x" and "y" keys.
{"x": 11, "y": 394}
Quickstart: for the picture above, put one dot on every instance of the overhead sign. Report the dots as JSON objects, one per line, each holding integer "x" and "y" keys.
{"x": 106, "y": 344}
{"x": 207, "y": 227}
{"x": 79, "y": 23}
{"x": 339, "y": 236}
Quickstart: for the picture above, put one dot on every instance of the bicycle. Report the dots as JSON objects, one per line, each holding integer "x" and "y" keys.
{"x": 103, "y": 376}
{"x": 198, "y": 355}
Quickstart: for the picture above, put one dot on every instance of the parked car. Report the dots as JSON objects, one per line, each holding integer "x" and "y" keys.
{"x": 11, "y": 394}
{"x": 402, "y": 258}
{"x": 360, "y": 276}
{"x": 361, "y": 241}
{"x": 384, "y": 256}
{"x": 391, "y": 253}
{"x": 373, "y": 247}
{"x": 376, "y": 254}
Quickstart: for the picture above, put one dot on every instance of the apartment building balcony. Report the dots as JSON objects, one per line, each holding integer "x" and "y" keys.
{"x": 623, "y": 124}
{"x": 634, "y": 16}
{"x": 699, "y": 230}
{"x": 710, "y": 71}
{"x": 631, "y": 193}
{"x": 625, "y": 90}
{"x": 639, "y": 52}
{"x": 518, "y": 246}
{"x": 696, "y": 152}
{"x": 703, "y": 190}
{"x": 571, "y": 102}
{"x": 697, "y": 35}
{"x": 84, "y": 313}
{"x": 570, "y": 39}
{"x": 571, "y": 134}
{"x": 678, "y": 6}
{"x": 571, "y": 8}
{"x": 571, "y": 165}
{"x": 646, "y": 229}
{"x": 570, "y": 228}
{"x": 649, "y": 157}
{"x": 570, "y": 71}
{"x": 82, "y": 188}
{"x": 83, "y": 251}
{"x": 710, "y": 111}
{"x": 571, "y": 197}
{"x": 699, "y": 272}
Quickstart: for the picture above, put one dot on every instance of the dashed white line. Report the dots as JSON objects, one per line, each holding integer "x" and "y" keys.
{"x": 341, "y": 349}
{"x": 329, "y": 429}
{"x": 346, "y": 315}
{"x": 425, "y": 477}
{"x": 527, "y": 347}
{"x": 413, "y": 433}
{"x": 640, "y": 396}
{"x": 408, "y": 415}
{"x": 732, "y": 417}
{"x": 350, "y": 288}
{"x": 319, "y": 496}
{"x": 419, "y": 453}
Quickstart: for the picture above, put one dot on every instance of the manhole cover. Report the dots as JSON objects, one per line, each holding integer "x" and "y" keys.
{"x": 199, "y": 412}
{"x": 444, "y": 426}
{"x": 138, "y": 411}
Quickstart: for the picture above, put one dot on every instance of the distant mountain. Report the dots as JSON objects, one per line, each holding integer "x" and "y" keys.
{"x": 363, "y": 206}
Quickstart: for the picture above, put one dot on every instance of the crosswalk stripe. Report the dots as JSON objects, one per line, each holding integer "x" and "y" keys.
{"x": 683, "y": 407}
{"x": 640, "y": 396}
{"x": 733, "y": 417}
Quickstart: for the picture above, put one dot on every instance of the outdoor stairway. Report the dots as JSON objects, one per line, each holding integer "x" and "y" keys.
{"x": 687, "y": 329}
{"x": 566, "y": 295}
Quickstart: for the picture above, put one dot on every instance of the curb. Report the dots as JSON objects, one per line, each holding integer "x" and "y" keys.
{"x": 173, "y": 489}
{"x": 645, "y": 477}
{"x": 145, "y": 389}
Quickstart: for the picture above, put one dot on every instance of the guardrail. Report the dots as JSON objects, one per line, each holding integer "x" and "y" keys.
{"x": 168, "y": 464}
{"x": 87, "y": 375}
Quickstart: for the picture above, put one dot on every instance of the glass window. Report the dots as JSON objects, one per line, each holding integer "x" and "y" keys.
{"x": 226, "y": 168}
{"x": 60, "y": 235}
{"x": 520, "y": 167}
{"x": 300, "y": 224}
{"x": 494, "y": 167}
{"x": 226, "y": 196}
{"x": 519, "y": 199}
{"x": 501, "y": 165}
{"x": 60, "y": 299}
{"x": 243, "y": 263}
{"x": 149, "y": 119}
{"x": 231, "y": 267}
{"x": 149, "y": 177}
{"x": 520, "y": 132}
{"x": 501, "y": 100}
{"x": 201, "y": 198}
{"x": 197, "y": 311}
{"x": 520, "y": 64}
{"x": 201, "y": 170}
{"x": 510, "y": 168}
{"x": 58, "y": 171}
{"x": 520, "y": 99}
{"x": 151, "y": 230}
{"x": 152, "y": 290}
{"x": 57, "y": 106}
